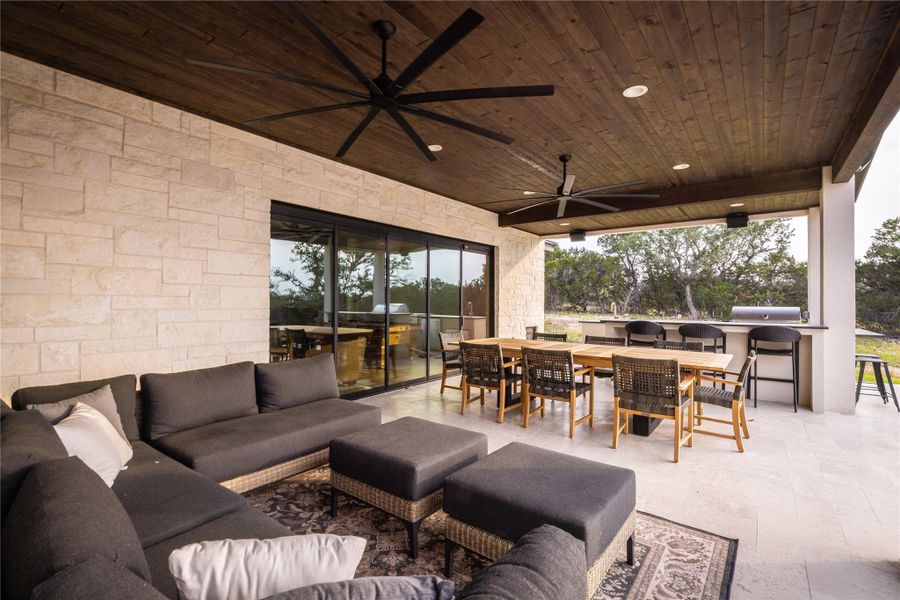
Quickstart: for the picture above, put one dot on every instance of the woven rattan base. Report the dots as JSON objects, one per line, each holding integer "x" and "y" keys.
{"x": 277, "y": 472}
{"x": 493, "y": 547}
{"x": 408, "y": 510}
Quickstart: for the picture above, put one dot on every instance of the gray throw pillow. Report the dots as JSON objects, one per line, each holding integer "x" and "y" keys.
{"x": 293, "y": 382}
{"x": 425, "y": 587}
{"x": 100, "y": 399}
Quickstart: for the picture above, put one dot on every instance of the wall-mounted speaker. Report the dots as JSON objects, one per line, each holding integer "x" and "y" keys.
{"x": 735, "y": 220}
{"x": 576, "y": 235}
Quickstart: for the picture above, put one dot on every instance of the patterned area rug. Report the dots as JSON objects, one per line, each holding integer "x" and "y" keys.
{"x": 672, "y": 561}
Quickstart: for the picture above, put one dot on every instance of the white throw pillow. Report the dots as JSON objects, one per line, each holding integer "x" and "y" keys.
{"x": 90, "y": 436}
{"x": 256, "y": 569}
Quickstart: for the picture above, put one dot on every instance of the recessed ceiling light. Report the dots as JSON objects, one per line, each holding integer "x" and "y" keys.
{"x": 681, "y": 166}
{"x": 435, "y": 147}
{"x": 529, "y": 193}
{"x": 564, "y": 224}
{"x": 635, "y": 91}
{"x": 736, "y": 204}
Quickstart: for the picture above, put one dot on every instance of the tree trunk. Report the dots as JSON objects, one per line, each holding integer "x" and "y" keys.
{"x": 690, "y": 301}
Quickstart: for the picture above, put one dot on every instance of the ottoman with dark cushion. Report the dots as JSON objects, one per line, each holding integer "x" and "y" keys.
{"x": 400, "y": 467}
{"x": 491, "y": 504}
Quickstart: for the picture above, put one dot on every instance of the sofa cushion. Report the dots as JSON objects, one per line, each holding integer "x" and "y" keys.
{"x": 245, "y": 523}
{"x": 100, "y": 400}
{"x": 26, "y": 438}
{"x": 63, "y": 515}
{"x": 422, "y": 587}
{"x": 293, "y": 382}
{"x": 123, "y": 390}
{"x": 235, "y": 447}
{"x": 175, "y": 402}
{"x": 97, "y": 578}
{"x": 153, "y": 480}
{"x": 545, "y": 564}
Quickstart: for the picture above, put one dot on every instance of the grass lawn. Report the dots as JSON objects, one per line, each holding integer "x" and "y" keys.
{"x": 887, "y": 349}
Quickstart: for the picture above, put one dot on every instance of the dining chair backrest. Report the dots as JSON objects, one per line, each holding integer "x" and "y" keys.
{"x": 549, "y": 372}
{"x": 542, "y": 336}
{"x": 604, "y": 341}
{"x": 299, "y": 343}
{"x": 675, "y": 345}
{"x": 448, "y": 337}
{"x": 278, "y": 337}
{"x": 645, "y": 328}
{"x": 646, "y": 379}
{"x": 774, "y": 333}
{"x": 744, "y": 376}
{"x": 482, "y": 364}
{"x": 704, "y": 331}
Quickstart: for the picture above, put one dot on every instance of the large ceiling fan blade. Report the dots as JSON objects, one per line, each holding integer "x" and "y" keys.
{"x": 451, "y": 36}
{"x": 561, "y": 209}
{"x": 623, "y": 196}
{"x": 567, "y": 185}
{"x": 333, "y": 48}
{"x": 518, "y": 91}
{"x": 411, "y": 133}
{"x": 530, "y": 192}
{"x": 593, "y": 203}
{"x": 291, "y": 78}
{"x": 530, "y": 206}
{"x": 430, "y": 114}
{"x": 613, "y": 186}
{"x": 307, "y": 111}
{"x": 373, "y": 110}
{"x": 544, "y": 196}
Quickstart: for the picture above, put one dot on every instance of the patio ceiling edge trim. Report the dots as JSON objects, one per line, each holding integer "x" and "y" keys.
{"x": 800, "y": 180}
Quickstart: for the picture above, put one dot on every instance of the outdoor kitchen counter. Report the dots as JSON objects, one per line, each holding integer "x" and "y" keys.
{"x": 736, "y": 332}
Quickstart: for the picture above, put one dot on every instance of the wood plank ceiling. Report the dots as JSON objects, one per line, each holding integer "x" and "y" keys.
{"x": 737, "y": 90}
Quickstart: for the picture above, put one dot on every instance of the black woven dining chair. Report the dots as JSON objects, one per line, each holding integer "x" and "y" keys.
{"x": 604, "y": 341}
{"x": 676, "y": 345}
{"x": 543, "y": 336}
{"x": 484, "y": 368}
{"x": 645, "y": 329}
{"x": 775, "y": 334}
{"x": 735, "y": 400}
{"x": 551, "y": 374}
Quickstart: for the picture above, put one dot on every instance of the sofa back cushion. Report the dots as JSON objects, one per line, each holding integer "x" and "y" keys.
{"x": 546, "y": 563}
{"x": 63, "y": 515}
{"x": 123, "y": 391}
{"x": 173, "y": 402}
{"x": 292, "y": 382}
{"x": 26, "y": 439}
{"x": 97, "y": 578}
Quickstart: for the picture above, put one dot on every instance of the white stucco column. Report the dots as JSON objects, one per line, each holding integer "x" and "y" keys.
{"x": 838, "y": 295}
{"x": 814, "y": 306}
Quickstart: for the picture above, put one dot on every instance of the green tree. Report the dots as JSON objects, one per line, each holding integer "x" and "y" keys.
{"x": 577, "y": 279}
{"x": 878, "y": 281}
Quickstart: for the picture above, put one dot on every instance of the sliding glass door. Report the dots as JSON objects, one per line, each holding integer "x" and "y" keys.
{"x": 375, "y": 296}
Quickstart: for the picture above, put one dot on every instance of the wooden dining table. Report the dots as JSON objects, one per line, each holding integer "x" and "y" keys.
{"x": 599, "y": 356}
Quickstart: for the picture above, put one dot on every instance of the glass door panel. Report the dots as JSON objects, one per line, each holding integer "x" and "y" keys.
{"x": 476, "y": 295}
{"x": 361, "y": 316}
{"x": 407, "y": 316}
{"x": 300, "y": 284}
{"x": 444, "y": 316}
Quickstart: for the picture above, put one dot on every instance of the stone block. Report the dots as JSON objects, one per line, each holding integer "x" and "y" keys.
{"x": 206, "y": 176}
{"x": 101, "y": 365}
{"x": 204, "y": 200}
{"x": 22, "y": 262}
{"x": 146, "y": 243}
{"x": 112, "y": 281}
{"x": 47, "y": 201}
{"x": 150, "y": 170}
{"x": 29, "y": 74}
{"x": 59, "y": 356}
{"x": 77, "y": 88}
{"x": 197, "y": 235}
{"x": 40, "y": 177}
{"x": 23, "y": 238}
{"x": 26, "y": 310}
{"x": 26, "y": 119}
{"x": 160, "y": 139}
{"x": 79, "y": 250}
{"x": 134, "y": 323}
{"x": 84, "y": 111}
{"x": 29, "y": 160}
{"x": 188, "y": 334}
{"x": 244, "y": 230}
{"x": 243, "y": 297}
{"x": 80, "y": 162}
{"x": 182, "y": 271}
{"x": 166, "y": 116}
{"x": 67, "y": 226}
{"x": 20, "y": 359}
{"x": 237, "y": 263}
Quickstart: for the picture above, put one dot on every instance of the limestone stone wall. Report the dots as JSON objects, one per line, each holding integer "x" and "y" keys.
{"x": 135, "y": 236}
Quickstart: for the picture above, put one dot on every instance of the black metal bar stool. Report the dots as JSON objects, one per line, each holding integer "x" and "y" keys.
{"x": 775, "y": 334}
{"x": 648, "y": 328}
{"x": 877, "y": 365}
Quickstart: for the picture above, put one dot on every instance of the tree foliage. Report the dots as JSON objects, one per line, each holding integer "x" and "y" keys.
{"x": 699, "y": 272}
{"x": 878, "y": 281}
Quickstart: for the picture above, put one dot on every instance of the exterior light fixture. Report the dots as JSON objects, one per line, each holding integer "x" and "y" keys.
{"x": 681, "y": 166}
{"x": 529, "y": 193}
{"x": 435, "y": 147}
{"x": 736, "y": 204}
{"x": 635, "y": 91}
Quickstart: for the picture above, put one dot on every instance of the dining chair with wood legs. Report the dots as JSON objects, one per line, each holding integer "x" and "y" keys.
{"x": 735, "y": 400}
{"x": 483, "y": 367}
{"x": 551, "y": 374}
{"x": 654, "y": 388}
{"x": 450, "y": 359}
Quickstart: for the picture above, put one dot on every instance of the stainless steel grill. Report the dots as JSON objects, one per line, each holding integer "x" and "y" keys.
{"x": 773, "y": 314}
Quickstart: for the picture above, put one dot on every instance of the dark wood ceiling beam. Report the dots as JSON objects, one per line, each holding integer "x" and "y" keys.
{"x": 873, "y": 114}
{"x": 801, "y": 180}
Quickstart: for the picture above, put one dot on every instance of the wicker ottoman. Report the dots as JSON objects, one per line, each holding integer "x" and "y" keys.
{"x": 400, "y": 467}
{"x": 494, "y": 502}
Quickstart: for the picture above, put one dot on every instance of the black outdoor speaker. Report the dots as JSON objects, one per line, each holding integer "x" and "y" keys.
{"x": 576, "y": 235}
{"x": 735, "y": 220}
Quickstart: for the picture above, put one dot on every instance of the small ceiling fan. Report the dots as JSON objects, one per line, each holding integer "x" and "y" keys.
{"x": 389, "y": 95}
{"x": 591, "y": 196}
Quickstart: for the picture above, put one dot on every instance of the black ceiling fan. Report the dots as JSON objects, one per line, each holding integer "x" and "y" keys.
{"x": 564, "y": 194}
{"x": 386, "y": 94}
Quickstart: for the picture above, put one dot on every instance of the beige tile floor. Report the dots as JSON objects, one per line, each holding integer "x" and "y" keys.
{"x": 814, "y": 500}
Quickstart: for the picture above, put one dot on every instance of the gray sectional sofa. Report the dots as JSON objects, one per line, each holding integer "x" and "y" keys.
{"x": 67, "y": 535}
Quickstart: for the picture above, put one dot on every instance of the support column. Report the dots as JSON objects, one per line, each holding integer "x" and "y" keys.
{"x": 814, "y": 306}
{"x": 838, "y": 295}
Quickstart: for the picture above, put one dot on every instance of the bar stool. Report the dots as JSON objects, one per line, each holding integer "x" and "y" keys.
{"x": 877, "y": 365}
{"x": 775, "y": 334}
{"x": 633, "y": 328}
{"x": 705, "y": 333}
